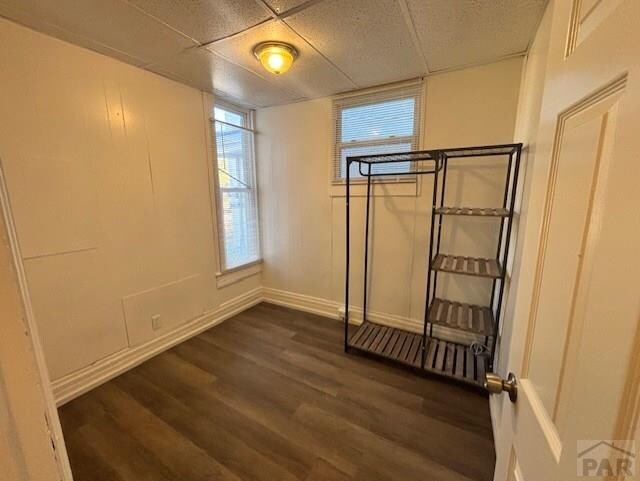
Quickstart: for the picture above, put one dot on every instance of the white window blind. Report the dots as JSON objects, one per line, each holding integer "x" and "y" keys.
{"x": 237, "y": 199}
{"x": 381, "y": 122}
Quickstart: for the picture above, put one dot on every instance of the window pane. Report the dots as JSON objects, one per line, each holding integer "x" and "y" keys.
{"x": 234, "y": 153}
{"x": 374, "y": 121}
{"x": 237, "y": 203}
{"x": 240, "y": 228}
{"x": 234, "y": 118}
{"x": 374, "y": 149}
{"x": 382, "y": 122}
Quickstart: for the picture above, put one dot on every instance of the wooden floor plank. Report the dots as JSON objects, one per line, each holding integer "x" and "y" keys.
{"x": 392, "y": 459}
{"x": 270, "y": 394}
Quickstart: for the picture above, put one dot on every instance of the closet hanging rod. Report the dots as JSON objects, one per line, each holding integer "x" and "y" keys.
{"x": 397, "y": 174}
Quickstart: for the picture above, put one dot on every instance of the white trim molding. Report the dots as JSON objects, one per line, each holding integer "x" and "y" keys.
{"x": 8, "y": 233}
{"x": 335, "y": 310}
{"x": 233, "y": 276}
{"x": 301, "y": 302}
{"x": 79, "y": 382}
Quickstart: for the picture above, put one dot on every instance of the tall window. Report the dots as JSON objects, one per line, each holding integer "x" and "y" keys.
{"x": 382, "y": 122}
{"x": 237, "y": 199}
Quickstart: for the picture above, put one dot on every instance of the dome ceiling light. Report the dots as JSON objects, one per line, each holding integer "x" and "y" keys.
{"x": 276, "y": 57}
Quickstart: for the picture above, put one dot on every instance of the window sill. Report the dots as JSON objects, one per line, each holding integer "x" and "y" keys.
{"x": 237, "y": 274}
{"x": 407, "y": 188}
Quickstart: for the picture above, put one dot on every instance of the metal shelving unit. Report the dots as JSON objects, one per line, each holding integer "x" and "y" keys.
{"x": 425, "y": 351}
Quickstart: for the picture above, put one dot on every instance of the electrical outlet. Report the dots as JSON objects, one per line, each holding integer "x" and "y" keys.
{"x": 341, "y": 312}
{"x": 155, "y": 322}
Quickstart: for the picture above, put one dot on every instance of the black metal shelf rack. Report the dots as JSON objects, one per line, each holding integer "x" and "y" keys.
{"x": 425, "y": 351}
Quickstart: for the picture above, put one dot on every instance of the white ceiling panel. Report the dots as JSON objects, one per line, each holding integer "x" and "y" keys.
{"x": 205, "y": 20}
{"x": 281, "y": 6}
{"x": 23, "y": 18}
{"x": 111, "y": 23}
{"x": 311, "y": 75}
{"x": 203, "y": 70}
{"x": 367, "y": 39}
{"x": 455, "y": 33}
{"x": 343, "y": 44}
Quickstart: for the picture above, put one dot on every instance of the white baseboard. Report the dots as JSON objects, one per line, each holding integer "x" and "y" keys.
{"x": 301, "y": 302}
{"x": 335, "y": 310}
{"x": 85, "y": 379}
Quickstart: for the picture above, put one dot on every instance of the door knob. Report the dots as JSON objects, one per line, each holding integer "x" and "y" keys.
{"x": 495, "y": 385}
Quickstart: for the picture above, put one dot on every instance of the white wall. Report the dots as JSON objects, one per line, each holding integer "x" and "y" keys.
{"x": 303, "y": 225}
{"x": 108, "y": 174}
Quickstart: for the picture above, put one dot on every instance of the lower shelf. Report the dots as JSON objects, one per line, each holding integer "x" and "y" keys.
{"x": 444, "y": 358}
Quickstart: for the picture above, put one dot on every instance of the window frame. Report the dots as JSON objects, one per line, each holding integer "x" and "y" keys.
{"x": 230, "y": 275}
{"x": 365, "y": 97}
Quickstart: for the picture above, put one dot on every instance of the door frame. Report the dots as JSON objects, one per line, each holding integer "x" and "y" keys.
{"x": 50, "y": 420}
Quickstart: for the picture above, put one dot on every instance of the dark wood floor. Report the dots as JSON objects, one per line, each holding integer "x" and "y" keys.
{"x": 269, "y": 395}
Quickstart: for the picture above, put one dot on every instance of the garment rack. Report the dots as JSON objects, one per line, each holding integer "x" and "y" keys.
{"x": 426, "y": 351}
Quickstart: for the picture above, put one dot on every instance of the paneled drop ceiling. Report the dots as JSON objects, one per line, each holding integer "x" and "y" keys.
{"x": 344, "y": 44}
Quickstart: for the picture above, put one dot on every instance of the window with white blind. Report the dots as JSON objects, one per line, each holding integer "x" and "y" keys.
{"x": 236, "y": 191}
{"x": 382, "y": 122}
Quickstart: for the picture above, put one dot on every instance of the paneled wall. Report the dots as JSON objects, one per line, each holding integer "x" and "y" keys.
{"x": 108, "y": 172}
{"x": 108, "y": 176}
{"x": 303, "y": 219}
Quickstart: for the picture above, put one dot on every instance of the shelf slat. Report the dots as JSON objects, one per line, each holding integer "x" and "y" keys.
{"x": 455, "y": 361}
{"x": 444, "y": 358}
{"x": 461, "y": 316}
{"x": 470, "y": 266}
{"x": 473, "y": 211}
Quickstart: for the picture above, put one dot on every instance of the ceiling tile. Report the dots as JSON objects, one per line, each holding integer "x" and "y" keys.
{"x": 311, "y": 75}
{"x": 25, "y": 19}
{"x": 111, "y": 23}
{"x": 206, "y": 20}
{"x": 361, "y": 42}
{"x": 281, "y": 6}
{"x": 455, "y": 33}
{"x": 367, "y": 39}
{"x": 203, "y": 70}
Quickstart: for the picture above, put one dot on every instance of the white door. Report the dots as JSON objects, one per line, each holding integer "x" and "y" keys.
{"x": 576, "y": 343}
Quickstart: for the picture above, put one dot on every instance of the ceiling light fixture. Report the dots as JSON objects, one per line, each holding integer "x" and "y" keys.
{"x": 276, "y": 57}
